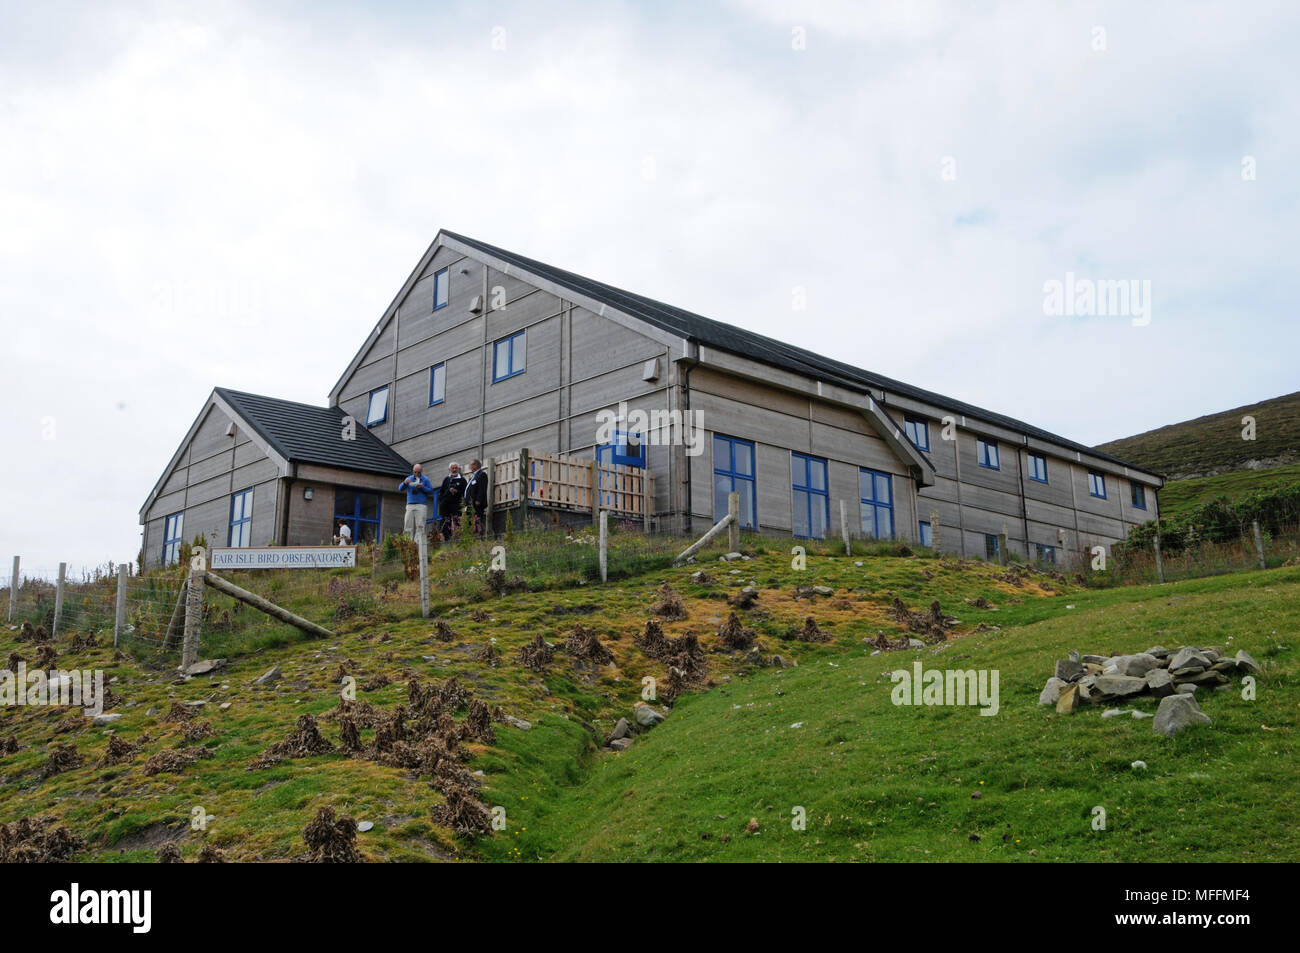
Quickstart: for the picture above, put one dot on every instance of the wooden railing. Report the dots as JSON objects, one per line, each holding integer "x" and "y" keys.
{"x": 567, "y": 482}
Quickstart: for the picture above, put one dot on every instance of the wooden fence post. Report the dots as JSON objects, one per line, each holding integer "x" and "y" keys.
{"x": 119, "y": 618}
{"x": 490, "y": 465}
{"x": 934, "y": 530}
{"x": 593, "y": 481}
{"x": 844, "y": 526}
{"x": 423, "y": 543}
{"x": 1160, "y": 563}
{"x": 178, "y": 613}
{"x": 733, "y": 528}
{"x": 524, "y": 467}
{"x": 13, "y": 590}
{"x": 647, "y": 497}
{"x": 1259, "y": 543}
{"x": 193, "y": 614}
{"x": 1002, "y": 548}
{"x": 604, "y": 545}
{"x": 58, "y": 598}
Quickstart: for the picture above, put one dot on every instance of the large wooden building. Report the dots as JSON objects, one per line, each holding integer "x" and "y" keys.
{"x": 484, "y": 352}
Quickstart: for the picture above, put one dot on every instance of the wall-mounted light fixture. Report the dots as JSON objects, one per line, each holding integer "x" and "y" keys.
{"x": 308, "y": 493}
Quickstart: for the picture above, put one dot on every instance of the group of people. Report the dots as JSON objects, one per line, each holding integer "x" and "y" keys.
{"x": 458, "y": 498}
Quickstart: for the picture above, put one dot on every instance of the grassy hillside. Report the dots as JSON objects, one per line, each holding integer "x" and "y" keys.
{"x": 887, "y": 783}
{"x": 727, "y": 751}
{"x": 1180, "y": 498}
{"x": 1213, "y": 444}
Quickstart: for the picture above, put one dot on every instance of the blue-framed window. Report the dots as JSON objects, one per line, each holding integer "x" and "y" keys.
{"x": 441, "y": 289}
{"x": 437, "y": 384}
{"x": 986, "y": 452}
{"x": 812, "y": 503}
{"x": 876, "y": 491}
{"x": 991, "y": 546}
{"x": 918, "y": 431}
{"x": 1097, "y": 484}
{"x": 1045, "y": 553}
{"x": 627, "y": 450}
{"x": 361, "y": 511}
{"x": 926, "y": 533}
{"x": 173, "y": 528}
{"x": 1037, "y": 468}
{"x": 619, "y": 454}
{"x": 241, "y": 519}
{"x": 1139, "y": 496}
{"x": 733, "y": 471}
{"x": 509, "y": 356}
{"x": 377, "y": 408}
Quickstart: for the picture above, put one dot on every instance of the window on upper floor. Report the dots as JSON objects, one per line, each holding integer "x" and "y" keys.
{"x": 918, "y": 431}
{"x": 1139, "y": 496}
{"x": 1097, "y": 484}
{"x": 441, "y": 289}
{"x": 1037, "y": 468}
{"x": 437, "y": 384}
{"x": 509, "y": 356}
{"x": 986, "y": 452}
{"x": 377, "y": 409}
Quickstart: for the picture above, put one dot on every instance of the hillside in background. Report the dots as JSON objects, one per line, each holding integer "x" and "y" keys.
{"x": 1213, "y": 444}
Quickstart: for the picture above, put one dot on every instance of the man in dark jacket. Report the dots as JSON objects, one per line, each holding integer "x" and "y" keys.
{"x": 451, "y": 497}
{"x": 476, "y": 492}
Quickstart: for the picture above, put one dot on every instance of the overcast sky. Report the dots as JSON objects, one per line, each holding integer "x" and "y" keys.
{"x": 230, "y": 194}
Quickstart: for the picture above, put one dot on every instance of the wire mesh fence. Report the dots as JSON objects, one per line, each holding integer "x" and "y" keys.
{"x": 1137, "y": 565}
{"x": 383, "y": 588}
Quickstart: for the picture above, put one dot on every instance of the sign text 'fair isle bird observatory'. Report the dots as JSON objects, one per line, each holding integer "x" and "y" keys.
{"x": 284, "y": 557}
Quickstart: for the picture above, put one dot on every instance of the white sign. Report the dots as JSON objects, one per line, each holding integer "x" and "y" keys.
{"x": 283, "y": 557}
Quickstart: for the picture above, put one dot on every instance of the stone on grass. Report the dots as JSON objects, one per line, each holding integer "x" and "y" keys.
{"x": 1247, "y": 664}
{"x": 1051, "y": 691}
{"x": 1186, "y": 689}
{"x": 1159, "y": 682}
{"x": 1189, "y": 658}
{"x": 1137, "y": 665}
{"x": 1176, "y": 713}
{"x": 1068, "y": 701}
{"x": 646, "y": 716}
{"x": 269, "y": 677}
{"x": 1068, "y": 670}
{"x": 1121, "y": 685}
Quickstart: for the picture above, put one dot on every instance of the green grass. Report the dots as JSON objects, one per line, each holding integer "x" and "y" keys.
{"x": 857, "y": 765}
{"x": 880, "y": 782}
{"x": 1180, "y": 498}
{"x": 1213, "y": 443}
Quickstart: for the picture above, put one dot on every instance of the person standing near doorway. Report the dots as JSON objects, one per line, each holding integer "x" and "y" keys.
{"x": 418, "y": 490}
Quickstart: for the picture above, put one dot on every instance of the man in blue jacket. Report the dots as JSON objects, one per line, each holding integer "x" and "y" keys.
{"x": 418, "y": 489}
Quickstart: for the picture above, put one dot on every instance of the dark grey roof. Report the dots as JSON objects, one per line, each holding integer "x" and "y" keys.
{"x": 728, "y": 337}
{"x": 303, "y": 433}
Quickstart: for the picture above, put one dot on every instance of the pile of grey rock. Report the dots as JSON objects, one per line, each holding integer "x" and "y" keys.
{"x": 1172, "y": 676}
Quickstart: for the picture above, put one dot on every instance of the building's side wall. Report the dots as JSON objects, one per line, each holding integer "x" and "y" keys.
{"x": 972, "y": 501}
{"x": 779, "y": 423}
{"x": 210, "y": 469}
{"x": 578, "y": 364}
